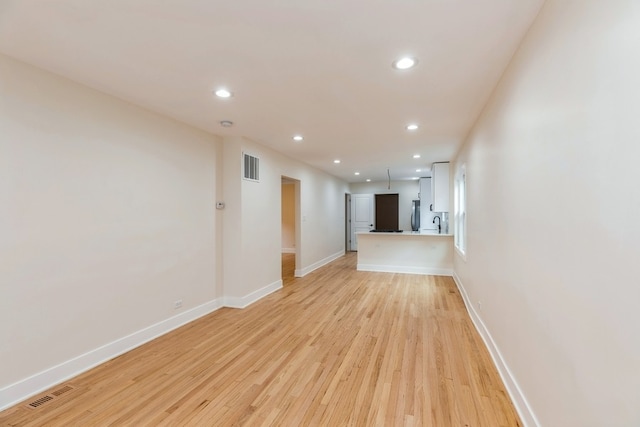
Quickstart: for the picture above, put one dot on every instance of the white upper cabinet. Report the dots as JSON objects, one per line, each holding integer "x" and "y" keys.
{"x": 440, "y": 186}
{"x": 425, "y": 193}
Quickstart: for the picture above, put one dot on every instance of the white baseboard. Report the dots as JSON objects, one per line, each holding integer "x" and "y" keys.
{"x": 242, "y": 302}
{"x": 304, "y": 271}
{"x": 517, "y": 397}
{"x": 44, "y": 380}
{"x": 405, "y": 269}
{"x": 288, "y": 250}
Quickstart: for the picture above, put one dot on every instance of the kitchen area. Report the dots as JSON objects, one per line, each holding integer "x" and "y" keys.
{"x": 421, "y": 243}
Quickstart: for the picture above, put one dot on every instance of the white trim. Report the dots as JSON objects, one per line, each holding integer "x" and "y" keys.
{"x": 462, "y": 255}
{"x": 303, "y": 272}
{"x": 242, "y": 302}
{"x": 405, "y": 269}
{"x": 460, "y": 210}
{"x": 517, "y": 397}
{"x": 288, "y": 250}
{"x": 37, "y": 383}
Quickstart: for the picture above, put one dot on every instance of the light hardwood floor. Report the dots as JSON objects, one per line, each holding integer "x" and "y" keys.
{"x": 288, "y": 269}
{"x": 338, "y": 347}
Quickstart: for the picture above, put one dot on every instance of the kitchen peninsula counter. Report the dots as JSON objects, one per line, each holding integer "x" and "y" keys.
{"x": 406, "y": 252}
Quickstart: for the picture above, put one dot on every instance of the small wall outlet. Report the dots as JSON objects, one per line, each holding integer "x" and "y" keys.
{"x": 219, "y": 205}
{"x": 177, "y": 304}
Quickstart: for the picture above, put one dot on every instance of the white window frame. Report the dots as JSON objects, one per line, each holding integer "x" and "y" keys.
{"x": 460, "y": 211}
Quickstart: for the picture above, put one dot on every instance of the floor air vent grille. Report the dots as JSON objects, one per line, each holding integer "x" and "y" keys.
{"x": 49, "y": 397}
{"x": 40, "y": 401}
{"x": 62, "y": 390}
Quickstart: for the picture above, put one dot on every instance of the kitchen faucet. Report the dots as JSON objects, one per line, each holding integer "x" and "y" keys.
{"x": 439, "y": 223}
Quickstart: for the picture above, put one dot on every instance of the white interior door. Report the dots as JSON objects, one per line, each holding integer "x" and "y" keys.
{"x": 362, "y": 216}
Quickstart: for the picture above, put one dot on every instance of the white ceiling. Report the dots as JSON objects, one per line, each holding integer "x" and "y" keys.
{"x": 320, "y": 68}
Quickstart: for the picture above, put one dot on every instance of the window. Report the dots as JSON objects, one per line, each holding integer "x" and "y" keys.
{"x": 460, "y": 210}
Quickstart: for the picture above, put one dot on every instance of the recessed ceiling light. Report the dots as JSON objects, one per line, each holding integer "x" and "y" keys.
{"x": 298, "y": 138}
{"x": 412, "y": 127}
{"x": 416, "y": 156}
{"x": 368, "y": 180}
{"x": 418, "y": 170}
{"x": 356, "y": 173}
{"x": 223, "y": 93}
{"x": 405, "y": 63}
{"x": 226, "y": 123}
{"x": 336, "y": 161}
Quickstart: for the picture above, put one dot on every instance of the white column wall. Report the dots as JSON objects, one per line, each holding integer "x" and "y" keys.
{"x": 252, "y": 238}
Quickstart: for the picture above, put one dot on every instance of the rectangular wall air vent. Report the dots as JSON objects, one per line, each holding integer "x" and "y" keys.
{"x": 251, "y": 168}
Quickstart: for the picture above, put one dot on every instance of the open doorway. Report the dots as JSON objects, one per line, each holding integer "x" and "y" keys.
{"x": 290, "y": 196}
{"x": 386, "y": 208}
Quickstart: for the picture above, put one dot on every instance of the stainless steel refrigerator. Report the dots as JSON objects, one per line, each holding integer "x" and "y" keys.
{"x": 415, "y": 215}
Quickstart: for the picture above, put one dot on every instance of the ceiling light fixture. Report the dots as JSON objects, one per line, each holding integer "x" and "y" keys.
{"x": 226, "y": 123}
{"x": 418, "y": 170}
{"x": 416, "y": 156}
{"x": 223, "y": 93}
{"x": 405, "y": 63}
{"x": 298, "y": 138}
{"x": 356, "y": 173}
{"x": 368, "y": 180}
{"x": 336, "y": 161}
{"x": 412, "y": 127}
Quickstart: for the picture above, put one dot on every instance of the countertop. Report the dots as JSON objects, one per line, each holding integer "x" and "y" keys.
{"x": 406, "y": 233}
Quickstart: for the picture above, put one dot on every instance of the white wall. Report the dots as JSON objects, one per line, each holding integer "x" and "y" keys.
{"x": 553, "y": 215}
{"x": 107, "y": 217}
{"x": 406, "y": 190}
